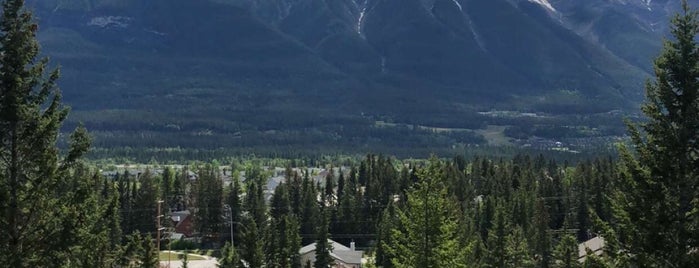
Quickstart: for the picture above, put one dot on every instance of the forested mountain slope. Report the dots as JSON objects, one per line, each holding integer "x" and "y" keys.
{"x": 226, "y": 66}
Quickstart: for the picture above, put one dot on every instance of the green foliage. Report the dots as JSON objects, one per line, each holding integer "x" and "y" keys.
{"x": 229, "y": 257}
{"x": 497, "y": 238}
{"x": 652, "y": 208}
{"x": 517, "y": 250}
{"x": 145, "y": 201}
{"x": 148, "y": 257}
{"x": 542, "y": 239}
{"x": 208, "y": 208}
{"x": 183, "y": 245}
{"x": 323, "y": 246}
{"x": 283, "y": 241}
{"x": 185, "y": 259}
{"x": 252, "y": 247}
{"x": 51, "y": 205}
{"x": 566, "y": 253}
{"x": 427, "y": 227}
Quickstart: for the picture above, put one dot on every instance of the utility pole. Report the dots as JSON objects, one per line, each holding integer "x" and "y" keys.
{"x": 229, "y": 211}
{"x": 159, "y": 228}
{"x": 169, "y": 248}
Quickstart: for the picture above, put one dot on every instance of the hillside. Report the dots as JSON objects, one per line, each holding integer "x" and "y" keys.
{"x": 223, "y": 73}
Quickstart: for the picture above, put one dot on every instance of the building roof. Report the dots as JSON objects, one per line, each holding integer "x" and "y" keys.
{"x": 336, "y": 247}
{"x": 348, "y": 256}
{"x": 339, "y": 252}
{"x": 594, "y": 245}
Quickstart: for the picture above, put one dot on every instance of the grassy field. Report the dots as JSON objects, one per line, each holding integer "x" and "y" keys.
{"x": 495, "y": 135}
{"x": 177, "y": 256}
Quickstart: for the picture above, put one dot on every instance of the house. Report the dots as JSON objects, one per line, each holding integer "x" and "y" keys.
{"x": 343, "y": 256}
{"x": 182, "y": 220}
{"x": 592, "y": 246}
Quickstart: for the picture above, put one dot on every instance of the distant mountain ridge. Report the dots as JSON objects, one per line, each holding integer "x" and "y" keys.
{"x": 403, "y": 59}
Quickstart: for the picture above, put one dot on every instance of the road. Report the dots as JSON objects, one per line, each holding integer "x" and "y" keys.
{"x": 191, "y": 264}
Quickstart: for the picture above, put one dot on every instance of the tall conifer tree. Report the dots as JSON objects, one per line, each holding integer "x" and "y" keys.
{"x": 654, "y": 195}
{"x": 38, "y": 202}
{"x": 426, "y": 232}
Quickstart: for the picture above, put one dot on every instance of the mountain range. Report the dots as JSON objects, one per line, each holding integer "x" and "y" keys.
{"x": 230, "y": 66}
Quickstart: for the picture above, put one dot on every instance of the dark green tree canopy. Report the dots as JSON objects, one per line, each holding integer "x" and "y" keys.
{"x": 43, "y": 203}
{"x": 653, "y": 205}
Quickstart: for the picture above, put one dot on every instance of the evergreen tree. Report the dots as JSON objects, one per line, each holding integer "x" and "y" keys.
{"x": 309, "y": 209}
{"x": 255, "y": 203}
{"x": 653, "y": 201}
{"x": 542, "y": 240}
{"x": 131, "y": 250}
{"x": 209, "y": 199}
{"x": 252, "y": 248}
{"x": 148, "y": 258}
{"x": 497, "y": 238}
{"x": 517, "y": 250}
{"x": 340, "y": 185}
{"x": 284, "y": 240}
{"x": 566, "y": 253}
{"x": 329, "y": 195}
{"x": 229, "y": 257}
{"x": 234, "y": 202}
{"x": 582, "y": 173}
{"x": 323, "y": 247}
{"x": 427, "y": 235}
{"x": 145, "y": 203}
{"x": 37, "y": 202}
{"x": 101, "y": 235}
{"x": 166, "y": 186}
{"x": 386, "y": 225}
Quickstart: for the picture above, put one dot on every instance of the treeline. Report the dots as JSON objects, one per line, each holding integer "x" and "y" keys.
{"x": 516, "y": 213}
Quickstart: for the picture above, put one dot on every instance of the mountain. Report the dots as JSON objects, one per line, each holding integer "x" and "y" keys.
{"x": 218, "y": 68}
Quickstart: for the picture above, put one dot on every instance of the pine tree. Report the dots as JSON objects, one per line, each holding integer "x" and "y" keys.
{"x": 255, "y": 203}
{"x": 209, "y": 209}
{"x": 229, "y": 257}
{"x": 386, "y": 225}
{"x": 329, "y": 194}
{"x": 101, "y": 234}
{"x": 323, "y": 247}
{"x": 145, "y": 203}
{"x": 130, "y": 251}
{"x": 566, "y": 253}
{"x": 517, "y": 250}
{"x": 148, "y": 258}
{"x": 582, "y": 174}
{"x": 36, "y": 199}
{"x": 542, "y": 240}
{"x": 497, "y": 238}
{"x": 347, "y": 209}
{"x": 309, "y": 209}
{"x": 166, "y": 186}
{"x": 252, "y": 248}
{"x": 653, "y": 201}
{"x": 427, "y": 233}
{"x": 234, "y": 202}
{"x": 284, "y": 240}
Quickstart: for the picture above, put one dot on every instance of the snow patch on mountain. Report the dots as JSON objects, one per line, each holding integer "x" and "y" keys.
{"x": 456, "y": 2}
{"x": 362, "y": 6}
{"x": 360, "y": 21}
{"x": 476, "y": 36}
{"x": 546, "y": 4}
{"x": 110, "y": 21}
